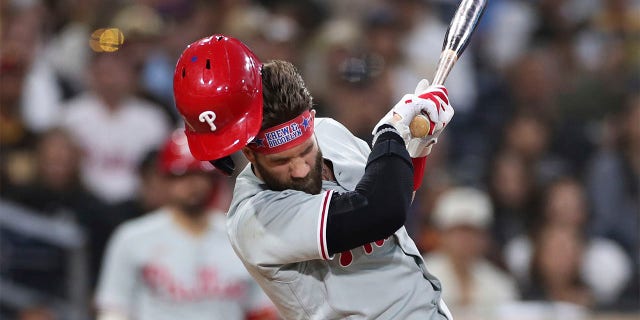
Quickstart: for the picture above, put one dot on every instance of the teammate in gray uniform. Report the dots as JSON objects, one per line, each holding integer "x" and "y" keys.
{"x": 317, "y": 216}
{"x": 176, "y": 262}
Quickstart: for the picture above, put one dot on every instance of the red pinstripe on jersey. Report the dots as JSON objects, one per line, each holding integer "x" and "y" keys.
{"x": 322, "y": 231}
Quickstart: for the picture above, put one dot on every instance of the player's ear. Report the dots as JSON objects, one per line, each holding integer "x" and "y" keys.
{"x": 249, "y": 154}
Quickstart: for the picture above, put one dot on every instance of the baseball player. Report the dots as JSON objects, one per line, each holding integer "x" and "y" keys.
{"x": 176, "y": 262}
{"x": 317, "y": 216}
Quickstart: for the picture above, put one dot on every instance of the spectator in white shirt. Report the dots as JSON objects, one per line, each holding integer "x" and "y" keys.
{"x": 114, "y": 127}
{"x": 475, "y": 287}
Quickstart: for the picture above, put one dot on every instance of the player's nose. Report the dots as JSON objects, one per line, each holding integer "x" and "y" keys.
{"x": 299, "y": 168}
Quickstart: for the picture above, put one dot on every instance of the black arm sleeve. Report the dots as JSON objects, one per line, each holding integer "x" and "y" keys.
{"x": 378, "y": 206}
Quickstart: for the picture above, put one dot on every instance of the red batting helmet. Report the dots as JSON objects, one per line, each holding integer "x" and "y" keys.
{"x": 175, "y": 159}
{"x": 218, "y": 91}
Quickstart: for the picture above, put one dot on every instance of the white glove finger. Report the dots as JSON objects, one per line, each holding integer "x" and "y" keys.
{"x": 401, "y": 114}
{"x": 429, "y": 108}
{"x": 441, "y": 92}
{"x": 447, "y": 114}
{"x": 406, "y": 106}
{"x": 422, "y": 87}
{"x": 439, "y": 127}
{"x": 437, "y": 93}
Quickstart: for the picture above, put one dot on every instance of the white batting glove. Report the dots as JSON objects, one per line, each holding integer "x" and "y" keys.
{"x": 421, "y": 147}
{"x": 404, "y": 111}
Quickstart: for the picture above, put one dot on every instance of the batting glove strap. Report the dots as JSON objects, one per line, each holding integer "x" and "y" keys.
{"x": 389, "y": 144}
{"x": 382, "y": 130}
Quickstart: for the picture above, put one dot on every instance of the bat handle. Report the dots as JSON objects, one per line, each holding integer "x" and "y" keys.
{"x": 448, "y": 58}
{"x": 420, "y": 124}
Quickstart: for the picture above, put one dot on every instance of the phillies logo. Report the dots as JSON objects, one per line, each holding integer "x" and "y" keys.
{"x": 208, "y": 117}
{"x": 208, "y": 284}
{"x": 346, "y": 257}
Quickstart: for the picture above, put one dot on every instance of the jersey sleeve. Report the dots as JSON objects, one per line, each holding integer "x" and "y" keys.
{"x": 118, "y": 275}
{"x": 281, "y": 227}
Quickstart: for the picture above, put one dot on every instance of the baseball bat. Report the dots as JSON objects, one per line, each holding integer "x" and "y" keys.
{"x": 462, "y": 26}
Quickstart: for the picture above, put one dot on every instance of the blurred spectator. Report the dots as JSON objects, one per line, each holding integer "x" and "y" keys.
{"x": 513, "y": 195}
{"x": 58, "y": 191}
{"x": 475, "y": 287}
{"x": 555, "y": 267}
{"x": 561, "y": 97}
{"x": 613, "y": 184}
{"x": 57, "y": 184}
{"x": 272, "y": 33}
{"x": 601, "y": 265}
{"x": 16, "y": 138}
{"x": 176, "y": 262}
{"x": 509, "y": 27}
{"x": 150, "y": 194}
{"x": 143, "y": 29}
{"x": 40, "y": 94}
{"x": 114, "y": 128}
{"x": 351, "y": 84}
{"x": 65, "y": 47}
{"x": 333, "y": 43}
{"x": 618, "y": 22}
{"x": 530, "y": 136}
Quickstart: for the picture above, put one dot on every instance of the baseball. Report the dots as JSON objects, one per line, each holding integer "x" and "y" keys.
{"x": 106, "y": 40}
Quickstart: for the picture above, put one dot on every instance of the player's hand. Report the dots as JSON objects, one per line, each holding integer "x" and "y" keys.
{"x": 405, "y": 110}
{"x": 421, "y": 147}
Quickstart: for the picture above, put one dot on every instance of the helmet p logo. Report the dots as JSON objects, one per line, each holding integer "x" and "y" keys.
{"x": 208, "y": 117}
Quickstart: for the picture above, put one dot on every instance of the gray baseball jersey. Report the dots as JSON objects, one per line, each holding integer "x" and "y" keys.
{"x": 154, "y": 270}
{"x": 280, "y": 237}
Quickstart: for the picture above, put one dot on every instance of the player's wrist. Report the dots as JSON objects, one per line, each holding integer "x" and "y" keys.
{"x": 386, "y": 132}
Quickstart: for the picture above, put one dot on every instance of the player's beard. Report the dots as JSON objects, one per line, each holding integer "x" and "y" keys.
{"x": 194, "y": 209}
{"x": 311, "y": 184}
{"x": 195, "y": 200}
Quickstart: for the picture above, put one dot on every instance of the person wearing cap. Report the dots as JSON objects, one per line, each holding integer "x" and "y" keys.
{"x": 317, "y": 216}
{"x": 176, "y": 262}
{"x": 475, "y": 287}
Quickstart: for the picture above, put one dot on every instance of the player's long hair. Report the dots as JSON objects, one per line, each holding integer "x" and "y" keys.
{"x": 284, "y": 92}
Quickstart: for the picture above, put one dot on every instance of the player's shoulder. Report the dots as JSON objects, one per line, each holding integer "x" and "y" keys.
{"x": 336, "y": 134}
{"x": 247, "y": 185}
{"x": 140, "y": 227}
{"x": 250, "y": 195}
{"x": 330, "y": 125}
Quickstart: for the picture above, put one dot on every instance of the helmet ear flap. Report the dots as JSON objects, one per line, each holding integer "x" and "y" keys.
{"x": 226, "y": 165}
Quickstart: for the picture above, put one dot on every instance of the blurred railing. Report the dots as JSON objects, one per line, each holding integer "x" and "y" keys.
{"x": 62, "y": 233}
{"x": 539, "y": 310}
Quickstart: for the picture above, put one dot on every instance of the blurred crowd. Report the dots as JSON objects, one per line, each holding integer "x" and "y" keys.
{"x": 532, "y": 194}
